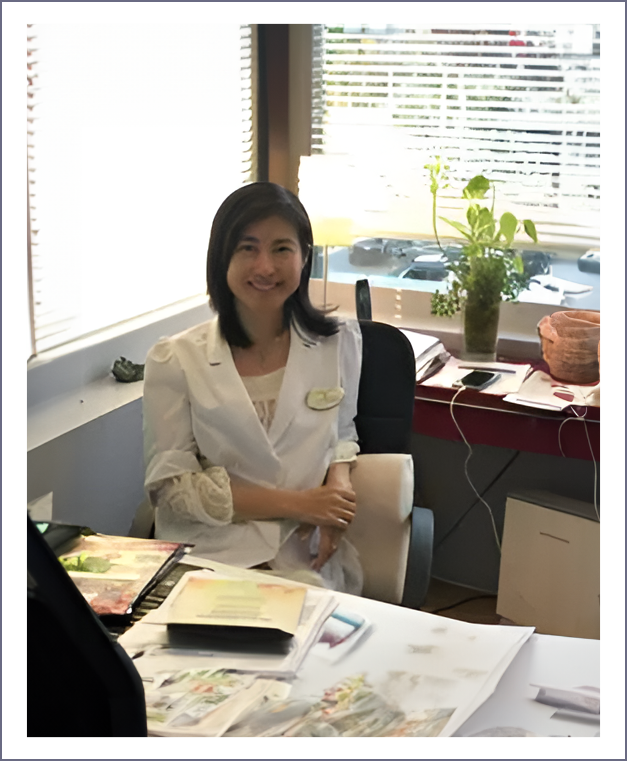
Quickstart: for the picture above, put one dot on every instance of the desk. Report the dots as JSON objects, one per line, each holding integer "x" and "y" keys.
{"x": 546, "y": 660}
{"x": 515, "y": 449}
{"x": 396, "y": 659}
{"x": 489, "y": 420}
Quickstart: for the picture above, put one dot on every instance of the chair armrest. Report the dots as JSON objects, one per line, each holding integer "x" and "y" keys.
{"x": 380, "y": 531}
{"x": 419, "y": 558}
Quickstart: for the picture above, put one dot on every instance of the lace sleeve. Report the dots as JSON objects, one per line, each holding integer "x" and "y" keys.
{"x": 204, "y": 496}
{"x": 345, "y": 451}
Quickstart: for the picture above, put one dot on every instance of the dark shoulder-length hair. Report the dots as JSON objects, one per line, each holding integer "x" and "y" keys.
{"x": 247, "y": 205}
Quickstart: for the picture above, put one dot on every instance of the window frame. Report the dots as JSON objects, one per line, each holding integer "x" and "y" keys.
{"x": 518, "y": 331}
{"x": 70, "y": 384}
{"x": 518, "y": 337}
{"x": 249, "y": 163}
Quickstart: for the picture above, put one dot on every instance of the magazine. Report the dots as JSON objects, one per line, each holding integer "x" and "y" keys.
{"x": 114, "y": 573}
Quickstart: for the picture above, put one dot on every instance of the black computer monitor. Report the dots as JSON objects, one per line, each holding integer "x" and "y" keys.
{"x": 80, "y": 682}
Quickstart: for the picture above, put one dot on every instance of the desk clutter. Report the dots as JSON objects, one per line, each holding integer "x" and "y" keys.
{"x": 520, "y": 384}
{"x": 354, "y": 667}
{"x": 347, "y": 671}
{"x": 429, "y": 353}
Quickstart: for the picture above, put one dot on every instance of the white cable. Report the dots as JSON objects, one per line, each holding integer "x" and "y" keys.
{"x": 582, "y": 418}
{"x": 481, "y": 499}
{"x": 559, "y": 434}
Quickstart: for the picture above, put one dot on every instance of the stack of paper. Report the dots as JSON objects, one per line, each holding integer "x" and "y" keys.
{"x": 429, "y": 352}
{"x": 205, "y": 702}
{"x": 150, "y": 643}
{"x": 543, "y": 392}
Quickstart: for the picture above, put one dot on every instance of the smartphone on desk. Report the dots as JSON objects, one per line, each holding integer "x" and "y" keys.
{"x": 477, "y": 379}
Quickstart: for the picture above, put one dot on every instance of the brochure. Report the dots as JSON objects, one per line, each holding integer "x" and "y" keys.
{"x": 114, "y": 573}
{"x": 236, "y": 608}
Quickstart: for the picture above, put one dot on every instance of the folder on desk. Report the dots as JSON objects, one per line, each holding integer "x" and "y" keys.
{"x": 236, "y": 609}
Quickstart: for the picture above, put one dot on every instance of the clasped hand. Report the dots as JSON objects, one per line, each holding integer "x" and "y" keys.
{"x": 331, "y": 508}
{"x": 328, "y": 505}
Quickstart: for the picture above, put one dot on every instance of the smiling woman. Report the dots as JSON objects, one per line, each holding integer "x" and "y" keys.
{"x": 263, "y": 273}
{"x": 239, "y": 461}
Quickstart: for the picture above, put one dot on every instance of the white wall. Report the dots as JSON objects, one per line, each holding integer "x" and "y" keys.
{"x": 95, "y": 471}
{"x": 85, "y": 440}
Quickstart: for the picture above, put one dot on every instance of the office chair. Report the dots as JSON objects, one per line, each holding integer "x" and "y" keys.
{"x": 80, "y": 683}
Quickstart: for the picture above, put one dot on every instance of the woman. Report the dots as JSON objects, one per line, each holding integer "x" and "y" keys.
{"x": 248, "y": 418}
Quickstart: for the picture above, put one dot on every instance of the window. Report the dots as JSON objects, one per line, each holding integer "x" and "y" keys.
{"x": 137, "y": 133}
{"x": 520, "y": 105}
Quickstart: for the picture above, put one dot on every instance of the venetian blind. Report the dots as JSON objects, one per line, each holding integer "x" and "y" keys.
{"x": 136, "y": 134}
{"x": 520, "y": 106}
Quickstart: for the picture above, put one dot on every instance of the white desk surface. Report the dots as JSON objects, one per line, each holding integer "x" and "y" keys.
{"x": 564, "y": 662}
{"x": 551, "y": 661}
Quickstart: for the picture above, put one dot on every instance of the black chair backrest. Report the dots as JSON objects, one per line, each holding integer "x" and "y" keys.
{"x": 79, "y": 682}
{"x": 387, "y": 387}
{"x": 363, "y": 302}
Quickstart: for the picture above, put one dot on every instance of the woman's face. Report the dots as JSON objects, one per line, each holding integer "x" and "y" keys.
{"x": 266, "y": 266}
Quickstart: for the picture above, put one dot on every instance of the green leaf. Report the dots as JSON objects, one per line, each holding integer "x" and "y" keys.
{"x": 485, "y": 225}
{"x": 95, "y": 565}
{"x": 477, "y": 187}
{"x": 473, "y": 249}
{"x": 458, "y": 226}
{"x": 70, "y": 564}
{"x": 518, "y": 263}
{"x": 530, "y": 229}
{"x": 472, "y": 215}
{"x": 509, "y": 223}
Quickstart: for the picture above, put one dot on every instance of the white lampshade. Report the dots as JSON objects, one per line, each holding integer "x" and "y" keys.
{"x": 324, "y": 190}
{"x": 348, "y": 197}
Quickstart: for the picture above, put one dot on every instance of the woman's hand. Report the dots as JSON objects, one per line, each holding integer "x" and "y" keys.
{"x": 327, "y": 505}
{"x": 329, "y": 540}
{"x": 338, "y": 477}
{"x": 332, "y": 504}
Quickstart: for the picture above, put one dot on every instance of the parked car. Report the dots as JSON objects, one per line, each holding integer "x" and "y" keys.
{"x": 423, "y": 259}
{"x": 415, "y": 259}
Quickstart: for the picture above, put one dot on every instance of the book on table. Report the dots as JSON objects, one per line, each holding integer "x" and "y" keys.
{"x": 155, "y": 648}
{"x": 236, "y": 609}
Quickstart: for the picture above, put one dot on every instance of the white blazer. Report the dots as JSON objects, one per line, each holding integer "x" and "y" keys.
{"x": 195, "y": 404}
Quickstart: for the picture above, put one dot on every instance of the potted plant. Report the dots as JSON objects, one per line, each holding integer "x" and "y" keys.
{"x": 488, "y": 269}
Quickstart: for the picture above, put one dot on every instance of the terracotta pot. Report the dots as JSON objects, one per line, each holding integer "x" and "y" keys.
{"x": 603, "y": 363}
{"x": 570, "y": 345}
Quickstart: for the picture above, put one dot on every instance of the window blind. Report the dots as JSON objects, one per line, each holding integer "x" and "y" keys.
{"x": 521, "y": 106}
{"x": 136, "y": 134}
